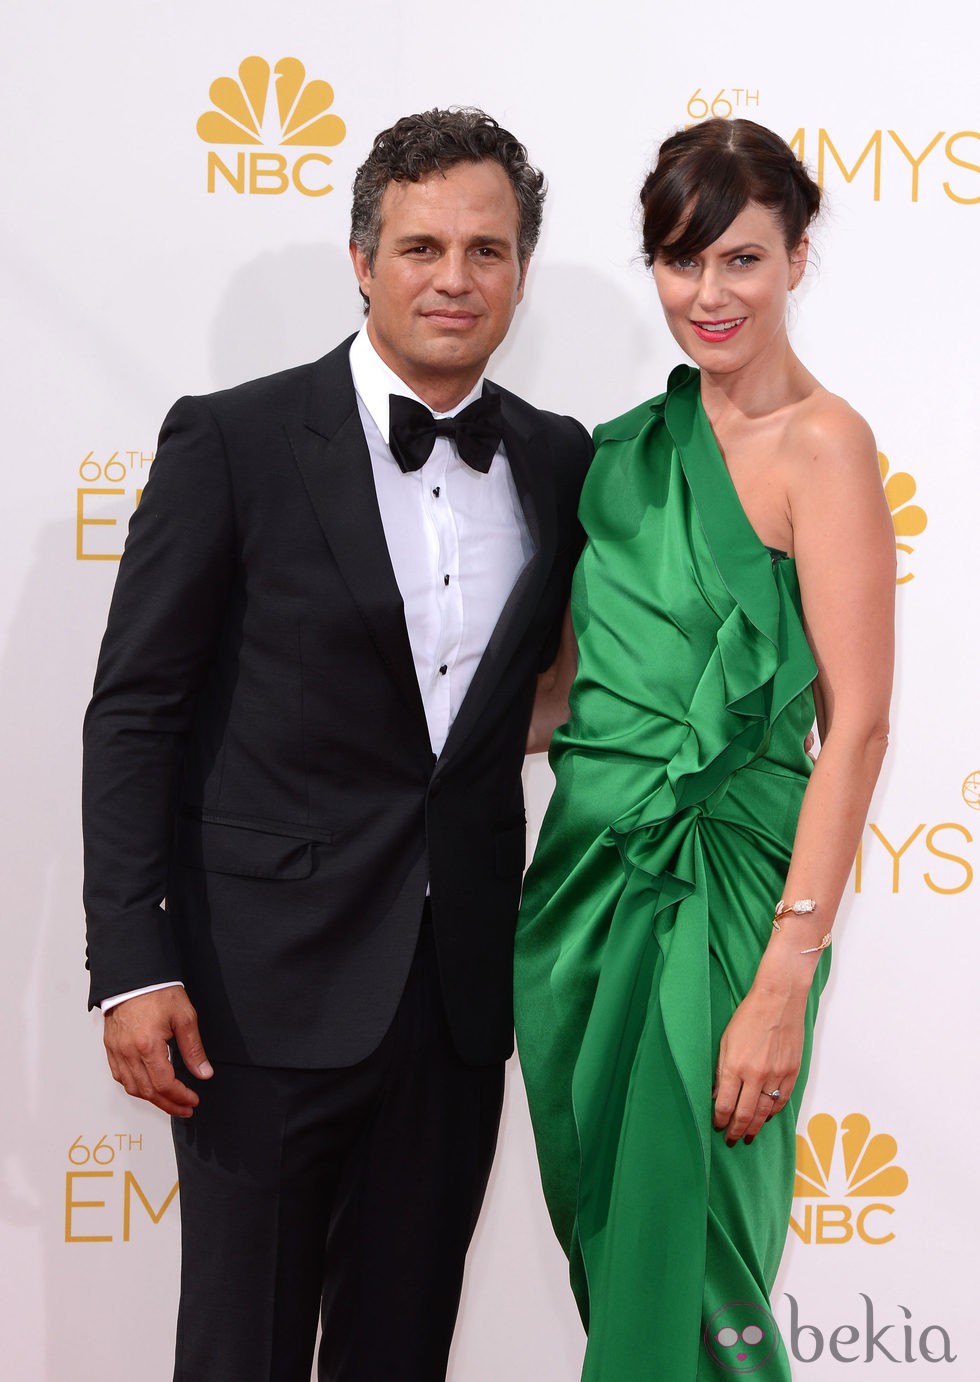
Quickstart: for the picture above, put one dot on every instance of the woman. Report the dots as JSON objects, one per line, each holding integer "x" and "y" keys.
{"x": 737, "y": 582}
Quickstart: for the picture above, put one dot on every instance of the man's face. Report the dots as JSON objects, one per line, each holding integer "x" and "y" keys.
{"x": 446, "y": 278}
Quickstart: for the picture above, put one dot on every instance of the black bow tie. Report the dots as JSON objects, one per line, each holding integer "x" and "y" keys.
{"x": 412, "y": 431}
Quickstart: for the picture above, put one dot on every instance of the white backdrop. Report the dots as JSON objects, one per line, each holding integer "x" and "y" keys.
{"x": 129, "y": 281}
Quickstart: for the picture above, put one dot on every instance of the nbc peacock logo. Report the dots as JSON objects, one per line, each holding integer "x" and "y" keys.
{"x": 265, "y": 106}
{"x": 908, "y": 519}
{"x": 841, "y": 1162}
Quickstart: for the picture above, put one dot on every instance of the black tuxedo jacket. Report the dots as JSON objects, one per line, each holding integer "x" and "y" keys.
{"x": 256, "y": 749}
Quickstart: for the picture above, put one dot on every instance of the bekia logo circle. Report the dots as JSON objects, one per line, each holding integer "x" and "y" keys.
{"x": 741, "y": 1337}
{"x": 294, "y": 113}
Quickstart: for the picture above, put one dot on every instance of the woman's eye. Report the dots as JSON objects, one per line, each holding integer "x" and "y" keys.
{"x": 745, "y": 261}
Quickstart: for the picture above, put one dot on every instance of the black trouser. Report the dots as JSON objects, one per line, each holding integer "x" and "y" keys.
{"x": 350, "y": 1192}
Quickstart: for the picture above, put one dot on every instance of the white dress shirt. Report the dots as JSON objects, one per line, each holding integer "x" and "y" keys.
{"x": 458, "y": 541}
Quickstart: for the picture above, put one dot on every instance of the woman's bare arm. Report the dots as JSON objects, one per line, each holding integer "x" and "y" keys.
{"x": 844, "y": 547}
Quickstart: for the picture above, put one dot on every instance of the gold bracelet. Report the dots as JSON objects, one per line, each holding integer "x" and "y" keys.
{"x": 799, "y": 908}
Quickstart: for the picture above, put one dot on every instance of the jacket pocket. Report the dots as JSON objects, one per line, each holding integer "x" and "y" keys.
{"x": 235, "y": 849}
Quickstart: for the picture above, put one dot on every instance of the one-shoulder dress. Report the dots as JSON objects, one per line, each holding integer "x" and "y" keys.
{"x": 679, "y": 779}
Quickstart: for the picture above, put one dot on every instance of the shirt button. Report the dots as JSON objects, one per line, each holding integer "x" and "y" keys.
{"x": 436, "y": 491}
{"x": 445, "y": 580}
{"x": 443, "y": 669}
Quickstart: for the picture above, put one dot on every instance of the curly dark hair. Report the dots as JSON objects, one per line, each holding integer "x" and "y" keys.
{"x": 706, "y": 175}
{"x": 434, "y": 141}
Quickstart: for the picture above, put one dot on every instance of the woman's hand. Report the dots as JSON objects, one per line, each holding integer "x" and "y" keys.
{"x": 760, "y": 1052}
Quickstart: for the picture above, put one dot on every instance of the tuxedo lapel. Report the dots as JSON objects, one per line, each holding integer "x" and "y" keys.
{"x": 335, "y": 464}
{"x": 525, "y": 442}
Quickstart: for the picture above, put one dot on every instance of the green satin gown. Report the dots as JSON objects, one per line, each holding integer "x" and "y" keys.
{"x": 679, "y": 778}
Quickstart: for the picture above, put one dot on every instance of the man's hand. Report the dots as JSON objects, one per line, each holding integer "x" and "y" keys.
{"x": 136, "y": 1035}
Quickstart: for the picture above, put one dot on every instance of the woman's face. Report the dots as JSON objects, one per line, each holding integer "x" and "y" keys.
{"x": 726, "y": 306}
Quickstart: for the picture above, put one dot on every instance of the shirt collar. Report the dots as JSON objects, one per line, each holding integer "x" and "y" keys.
{"x": 374, "y": 381}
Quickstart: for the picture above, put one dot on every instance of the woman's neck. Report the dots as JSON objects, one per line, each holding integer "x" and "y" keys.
{"x": 773, "y": 380}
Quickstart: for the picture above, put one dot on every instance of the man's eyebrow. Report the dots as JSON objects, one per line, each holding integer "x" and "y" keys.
{"x": 404, "y": 241}
{"x": 417, "y": 240}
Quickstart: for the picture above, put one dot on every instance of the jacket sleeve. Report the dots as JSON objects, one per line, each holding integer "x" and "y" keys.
{"x": 166, "y": 612}
{"x": 575, "y": 450}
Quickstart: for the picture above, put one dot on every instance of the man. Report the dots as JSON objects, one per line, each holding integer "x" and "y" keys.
{"x": 308, "y": 726}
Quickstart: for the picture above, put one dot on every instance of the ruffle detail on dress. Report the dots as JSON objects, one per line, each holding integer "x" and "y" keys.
{"x": 761, "y": 660}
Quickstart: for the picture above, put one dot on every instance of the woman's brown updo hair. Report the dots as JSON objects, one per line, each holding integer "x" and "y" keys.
{"x": 707, "y": 174}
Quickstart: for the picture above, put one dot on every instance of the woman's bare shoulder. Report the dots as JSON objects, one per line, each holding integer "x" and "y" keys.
{"x": 834, "y": 476}
{"x": 825, "y": 430}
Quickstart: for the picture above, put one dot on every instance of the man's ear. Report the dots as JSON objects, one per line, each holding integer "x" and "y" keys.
{"x": 523, "y": 278}
{"x": 361, "y": 268}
